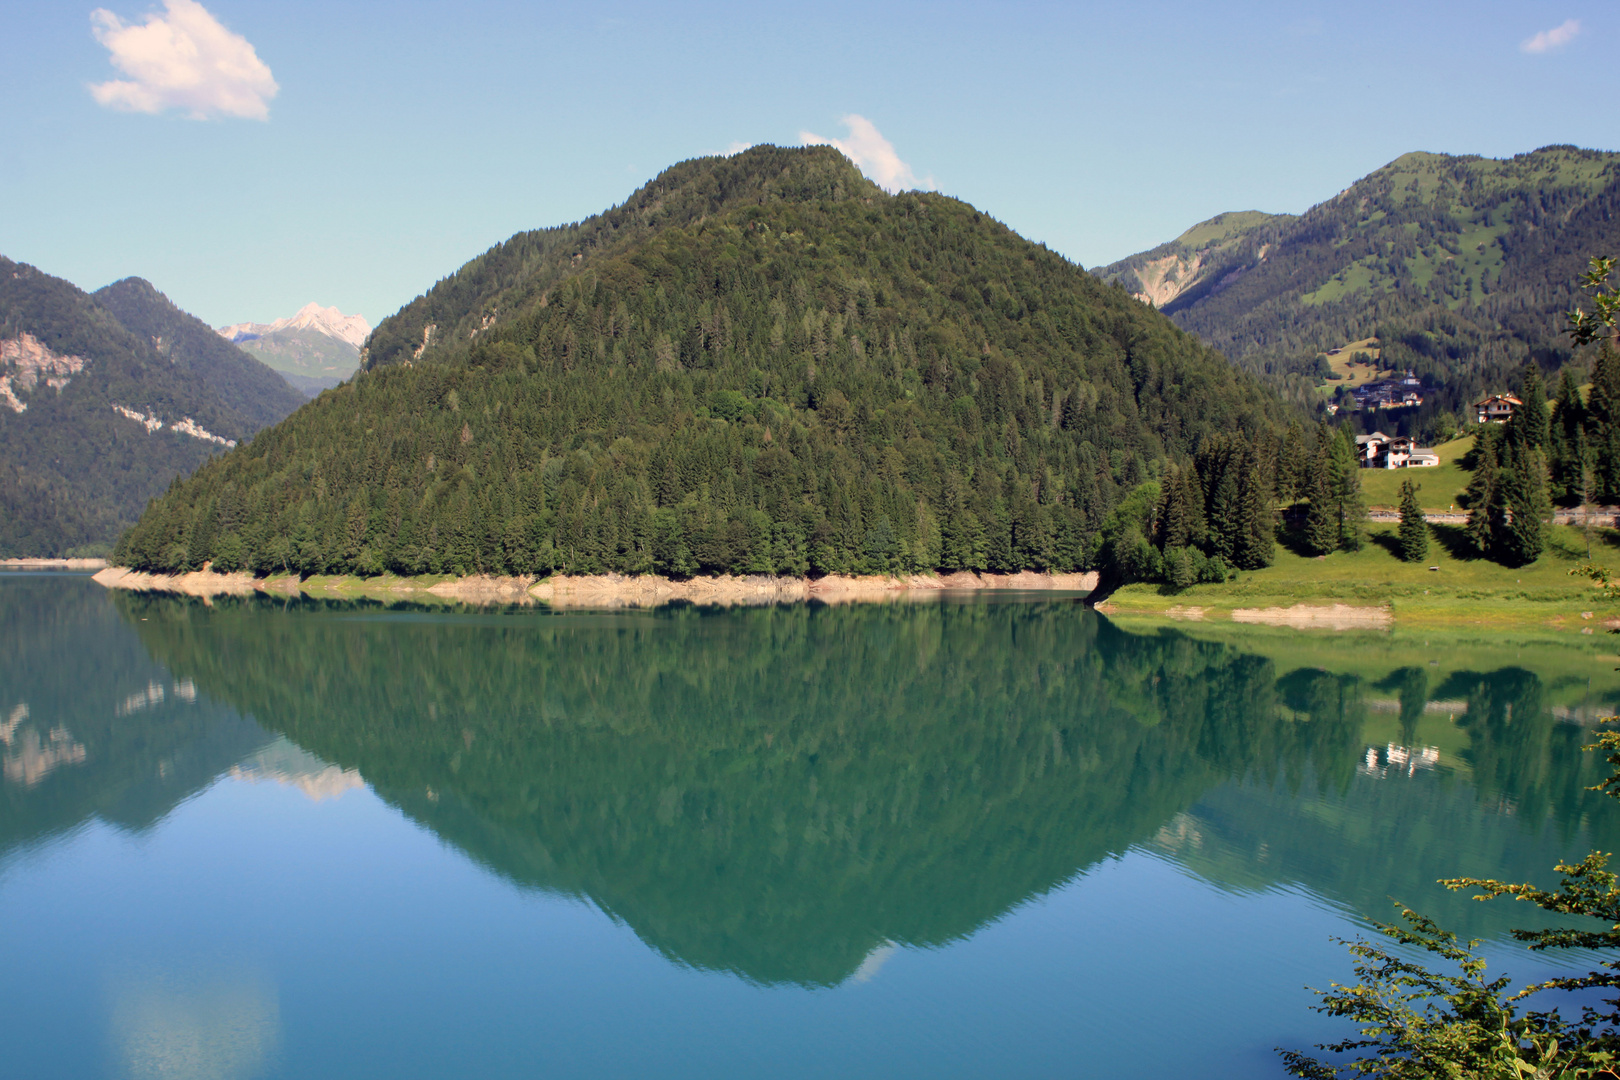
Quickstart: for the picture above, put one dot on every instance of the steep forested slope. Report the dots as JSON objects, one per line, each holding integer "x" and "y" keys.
{"x": 97, "y": 417}
{"x": 1462, "y": 266}
{"x": 259, "y": 394}
{"x": 760, "y": 363}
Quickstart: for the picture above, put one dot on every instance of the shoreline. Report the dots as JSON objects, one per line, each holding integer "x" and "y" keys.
{"x": 599, "y": 591}
{"x": 52, "y": 564}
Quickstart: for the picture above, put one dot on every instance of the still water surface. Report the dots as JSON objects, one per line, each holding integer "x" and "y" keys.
{"x": 980, "y": 837}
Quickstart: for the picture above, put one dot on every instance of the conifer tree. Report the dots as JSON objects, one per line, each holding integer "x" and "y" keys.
{"x": 1603, "y": 423}
{"x": 1482, "y": 494}
{"x": 1175, "y": 528}
{"x": 1414, "y": 531}
{"x": 1223, "y": 513}
{"x": 1256, "y": 540}
{"x": 1528, "y": 428}
{"x": 1521, "y": 529}
{"x": 1192, "y": 494}
{"x": 1321, "y": 520}
{"x": 1349, "y": 511}
{"x": 1566, "y": 442}
{"x": 1293, "y": 466}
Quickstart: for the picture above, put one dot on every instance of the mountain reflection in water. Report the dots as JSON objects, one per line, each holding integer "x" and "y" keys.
{"x": 791, "y": 793}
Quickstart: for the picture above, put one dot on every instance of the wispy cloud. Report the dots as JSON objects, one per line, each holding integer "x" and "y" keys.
{"x": 182, "y": 59}
{"x": 1556, "y": 38}
{"x": 736, "y": 148}
{"x": 875, "y": 155}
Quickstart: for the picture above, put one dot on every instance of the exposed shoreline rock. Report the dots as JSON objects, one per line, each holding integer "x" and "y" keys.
{"x": 204, "y": 583}
{"x": 1320, "y": 616}
{"x": 611, "y": 590}
{"x": 52, "y": 564}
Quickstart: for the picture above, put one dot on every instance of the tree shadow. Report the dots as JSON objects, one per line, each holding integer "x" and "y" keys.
{"x": 1291, "y": 533}
{"x": 1454, "y": 539}
{"x": 1389, "y": 541}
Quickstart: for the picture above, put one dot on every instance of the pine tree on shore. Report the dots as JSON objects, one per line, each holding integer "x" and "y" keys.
{"x": 1321, "y": 522}
{"x": 1349, "y": 510}
{"x": 1521, "y": 529}
{"x": 1255, "y": 545}
{"x": 1414, "y": 531}
{"x": 1481, "y": 495}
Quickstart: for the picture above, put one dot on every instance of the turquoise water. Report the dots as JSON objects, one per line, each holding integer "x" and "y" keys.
{"x": 980, "y": 837}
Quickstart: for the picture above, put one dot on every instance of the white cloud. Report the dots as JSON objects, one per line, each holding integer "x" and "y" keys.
{"x": 867, "y": 148}
{"x": 736, "y": 148}
{"x": 1556, "y": 38}
{"x": 182, "y": 59}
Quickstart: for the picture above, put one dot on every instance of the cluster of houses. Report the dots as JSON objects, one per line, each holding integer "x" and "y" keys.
{"x": 1403, "y": 393}
{"x": 1380, "y": 451}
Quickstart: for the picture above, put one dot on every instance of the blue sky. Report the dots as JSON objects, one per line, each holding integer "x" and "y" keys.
{"x": 402, "y": 139}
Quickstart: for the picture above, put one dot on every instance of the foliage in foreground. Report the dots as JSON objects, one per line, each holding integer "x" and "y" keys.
{"x": 1416, "y": 1022}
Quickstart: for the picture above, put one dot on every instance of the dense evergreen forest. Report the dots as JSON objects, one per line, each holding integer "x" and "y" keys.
{"x": 758, "y": 364}
{"x": 1463, "y": 268}
{"x": 73, "y": 472}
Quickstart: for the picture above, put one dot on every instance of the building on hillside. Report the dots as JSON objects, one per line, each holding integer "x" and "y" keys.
{"x": 1403, "y": 393}
{"x": 1380, "y": 451}
{"x": 1496, "y": 409}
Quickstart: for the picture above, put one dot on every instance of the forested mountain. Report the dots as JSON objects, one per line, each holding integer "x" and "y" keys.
{"x": 97, "y": 415}
{"x": 760, "y": 363}
{"x": 1461, "y": 266}
{"x": 260, "y": 395}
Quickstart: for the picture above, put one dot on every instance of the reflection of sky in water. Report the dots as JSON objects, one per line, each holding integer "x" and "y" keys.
{"x": 199, "y": 1025}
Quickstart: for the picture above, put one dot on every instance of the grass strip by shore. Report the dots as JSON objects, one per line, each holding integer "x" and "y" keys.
{"x": 1459, "y": 590}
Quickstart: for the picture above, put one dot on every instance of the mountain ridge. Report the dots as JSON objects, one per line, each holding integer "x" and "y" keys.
{"x": 1461, "y": 265}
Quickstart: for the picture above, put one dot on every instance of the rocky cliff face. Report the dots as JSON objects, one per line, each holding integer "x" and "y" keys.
{"x": 1200, "y": 261}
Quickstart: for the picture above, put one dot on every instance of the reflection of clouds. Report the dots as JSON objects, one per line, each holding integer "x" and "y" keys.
{"x": 283, "y": 762}
{"x": 168, "y": 1027}
{"x": 29, "y": 756}
{"x": 141, "y": 699}
{"x": 874, "y": 962}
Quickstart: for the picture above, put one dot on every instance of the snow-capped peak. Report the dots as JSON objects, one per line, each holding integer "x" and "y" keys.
{"x": 327, "y": 320}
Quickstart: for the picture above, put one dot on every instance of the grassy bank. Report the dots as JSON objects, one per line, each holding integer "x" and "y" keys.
{"x": 1459, "y": 591}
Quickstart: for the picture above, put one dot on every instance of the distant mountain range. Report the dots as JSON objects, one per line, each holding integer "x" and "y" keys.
{"x": 315, "y": 349}
{"x": 107, "y": 398}
{"x": 1462, "y": 267}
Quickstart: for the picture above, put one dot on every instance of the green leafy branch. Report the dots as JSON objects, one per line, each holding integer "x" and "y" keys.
{"x": 1587, "y": 327}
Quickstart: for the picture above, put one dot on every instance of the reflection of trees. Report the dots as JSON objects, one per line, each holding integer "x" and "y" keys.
{"x": 1411, "y": 686}
{"x": 70, "y": 668}
{"x": 773, "y": 791}
{"x": 1520, "y": 754}
{"x": 776, "y": 791}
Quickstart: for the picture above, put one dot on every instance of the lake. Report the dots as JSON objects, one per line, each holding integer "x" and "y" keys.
{"x": 981, "y": 836}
